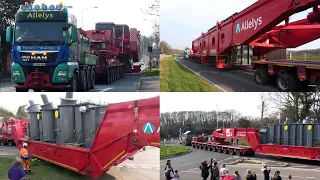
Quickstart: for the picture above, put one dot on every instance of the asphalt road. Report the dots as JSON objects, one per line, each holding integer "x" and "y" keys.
{"x": 188, "y": 165}
{"x": 227, "y": 79}
{"x": 145, "y": 165}
{"x": 127, "y": 84}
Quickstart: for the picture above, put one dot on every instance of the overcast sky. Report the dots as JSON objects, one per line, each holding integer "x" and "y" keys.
{"x": 12, "y": 100}
{"x": 245, "y": 103}
{"x": 119, "y": 12}
{"x": 182, "y": 21}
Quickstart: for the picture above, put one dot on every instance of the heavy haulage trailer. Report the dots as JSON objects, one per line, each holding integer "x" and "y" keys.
{"x": 89, "y": 138}
{"x": 301, "y": 141}
{"x": 246, "y": 37}
{"x": 6, "y": 137}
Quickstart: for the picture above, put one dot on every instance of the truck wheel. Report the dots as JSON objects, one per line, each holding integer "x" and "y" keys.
{"x": 88, "y": 73}
{"x": 231, "y": 151}
{"x": 210, "y": 148}
{"x": 238, "y": 152}
{"x": 83, "y": 81}
{"x": 74, "y": 84}
{"x": 10, "y": 143}
{"x": 93, "y": 79}
{"x": 261, "y": 76}
{"x": 2, "y": 142}
{"x": 21, "y": 90}
{"x": 286, "y": 83}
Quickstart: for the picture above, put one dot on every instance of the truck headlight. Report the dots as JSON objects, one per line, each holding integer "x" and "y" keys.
{"x": 62, "y": 73}
{"x": 15, "y": 73}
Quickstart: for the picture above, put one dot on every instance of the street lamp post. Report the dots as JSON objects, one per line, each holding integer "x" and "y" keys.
{"x": 82, "y": 14}
{"x": 217, "y": 118}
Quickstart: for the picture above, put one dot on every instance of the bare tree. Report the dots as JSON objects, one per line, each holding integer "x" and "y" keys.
{"x": 263, "y": 107}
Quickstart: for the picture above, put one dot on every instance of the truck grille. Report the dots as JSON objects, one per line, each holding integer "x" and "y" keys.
{"x": 38, "y": 58}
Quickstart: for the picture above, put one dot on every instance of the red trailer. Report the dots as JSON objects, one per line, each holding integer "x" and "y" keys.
{"x": 6, "y": 136}
{"x": 285, "y": 140}
{"x": 253, "y": 33}
{"x": 102, "y": 44}
{"x": 125, "y": 129}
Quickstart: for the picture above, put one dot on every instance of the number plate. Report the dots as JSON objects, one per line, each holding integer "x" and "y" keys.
{"x": 39, "y": 64}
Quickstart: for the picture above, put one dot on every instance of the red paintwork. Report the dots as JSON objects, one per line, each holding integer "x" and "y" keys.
{"x": 114, "y": 142}
{"x": 252, "y": 136}
{"x": 8, "y": 129}
{"x": 40, "y": 80}
{"x": 219, "y": 41}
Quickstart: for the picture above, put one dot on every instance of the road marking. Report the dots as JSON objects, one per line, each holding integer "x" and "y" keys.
{"x": 310, "y": 177}
{"x": 193, "y": 169}
{"x": 146, "y": 167}
{"x": 135, "y": 167}
{"x": 106, "y": 89}
{"x": 119, "y": 166}
{"x": 130, "y": 164}
{"x": 203, "y": 77}
{"x": 248, "y": 73}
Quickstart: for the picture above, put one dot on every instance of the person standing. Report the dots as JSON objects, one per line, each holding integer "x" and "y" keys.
{"x": 204, "y": 170}
{"x": 224, "y": 172}
{"x": 277, "y": 176}
{"x": 289, "y": 177}
{"x": 250, "y": 176}
{"x": 16, "y": 172}
{"x": 25, "y": 157}
{"x": 236, "y": 175}
{"x": 214, "y": 170}
{"x": 266, "y": 172}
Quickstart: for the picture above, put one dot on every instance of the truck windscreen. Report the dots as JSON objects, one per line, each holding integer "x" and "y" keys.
{"x": 39, "y": 33}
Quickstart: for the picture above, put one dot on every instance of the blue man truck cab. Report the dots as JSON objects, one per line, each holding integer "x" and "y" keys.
{"x": 48, "y": 53}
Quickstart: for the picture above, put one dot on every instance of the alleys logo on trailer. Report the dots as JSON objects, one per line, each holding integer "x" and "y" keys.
{"x": 249, "y": 24}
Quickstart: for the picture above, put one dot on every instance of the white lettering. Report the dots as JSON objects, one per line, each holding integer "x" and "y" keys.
{"x": 254, "y": 23}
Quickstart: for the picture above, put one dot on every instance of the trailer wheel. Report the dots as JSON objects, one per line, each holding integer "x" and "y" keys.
{"x": 210, "y": 148}
{"x": 231, "y": 151}
{"x": 21, "y": 90}
{"x": 261, "y": 76}
{"x": 238, "y": 152}
{"x": 219, "y": 150}
{"x": 286, "y": 83}
{"x": 206, "y": 148}
{"x": 225, "y": 150}
{"x": 2, "y": 142}
{"x": 10, "y": 143}
{"x": 73, "y": 83}
{"x": 214, "y": 149}
{"x": 193, "y": 146}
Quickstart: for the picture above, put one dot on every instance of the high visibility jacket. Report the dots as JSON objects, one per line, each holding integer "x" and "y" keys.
{"x": 24, "y": 152}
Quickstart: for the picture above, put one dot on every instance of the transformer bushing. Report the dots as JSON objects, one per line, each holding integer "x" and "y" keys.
{"x": 33, "y": 111}
{"x": 48, "y": 119}
{"x": 66, "y": 119}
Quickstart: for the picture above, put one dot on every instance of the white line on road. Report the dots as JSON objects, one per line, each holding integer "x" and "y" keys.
{"x": 146, "y": 167}
{"x": 129, "y": 164}
{"x": 135, "y": 167}
{"x": 204, "y": 78}
{"x": 119, "y": 166}
{"x": 310, "y": 177}
{"x": 193, "y": 169}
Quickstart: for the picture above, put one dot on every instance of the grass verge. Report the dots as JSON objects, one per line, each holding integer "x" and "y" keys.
{"x": 176, "y": 78}
{"x": 168, "y": 151}
{"x": 153, "y": 72}
{"x": 41, "y": 171}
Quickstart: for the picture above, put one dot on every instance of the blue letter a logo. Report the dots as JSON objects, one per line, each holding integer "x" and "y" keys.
{"x": 238, "y": 28}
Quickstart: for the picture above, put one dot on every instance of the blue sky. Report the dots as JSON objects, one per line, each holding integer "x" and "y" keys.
{"x": 183, "y": 20}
